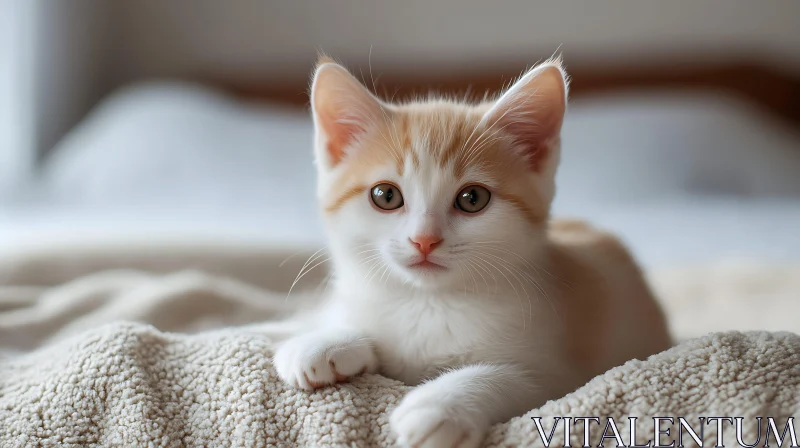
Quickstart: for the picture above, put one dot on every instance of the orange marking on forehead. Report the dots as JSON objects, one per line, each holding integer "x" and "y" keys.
{"x": 486, "y": 147}
{"x": 405, "y": 132}
{"x": 460, "y": 140}
{"x": 344, "y": 197}
{"x": 449, "y": 140}
{"x": 414, "y": 159}
{"x": 406, "y": 149}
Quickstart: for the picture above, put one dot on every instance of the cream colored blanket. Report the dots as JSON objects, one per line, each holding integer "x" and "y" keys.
{"x": 190, "y": 367}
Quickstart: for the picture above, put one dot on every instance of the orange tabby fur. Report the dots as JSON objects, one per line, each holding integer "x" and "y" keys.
{"x": 595, "y": 270}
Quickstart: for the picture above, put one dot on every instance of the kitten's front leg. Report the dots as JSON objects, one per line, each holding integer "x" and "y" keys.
{"x": 457, "y": 408}
{"x": 324, "y": 357}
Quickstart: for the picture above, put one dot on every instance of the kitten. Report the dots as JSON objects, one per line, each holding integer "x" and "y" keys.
{"x": 448, "y": 272}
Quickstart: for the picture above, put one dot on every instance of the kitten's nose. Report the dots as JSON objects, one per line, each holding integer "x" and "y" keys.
{"x": 426, "y": 243}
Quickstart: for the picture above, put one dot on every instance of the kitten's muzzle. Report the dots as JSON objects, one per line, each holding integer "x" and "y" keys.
{"x": 425, "y": 244}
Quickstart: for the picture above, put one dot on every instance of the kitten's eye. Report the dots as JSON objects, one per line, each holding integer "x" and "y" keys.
{"x": 387, "y": 197}
{"x": 472, "y": 198}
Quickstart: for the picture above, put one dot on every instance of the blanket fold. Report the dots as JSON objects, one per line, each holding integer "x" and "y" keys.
{"x": 127, "y": 384}
{"x": 120, "y": 348}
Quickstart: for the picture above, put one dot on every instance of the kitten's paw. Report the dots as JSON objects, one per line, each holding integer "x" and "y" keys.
{"x": 422, "y": 421}
{"x": 320, "y": 359}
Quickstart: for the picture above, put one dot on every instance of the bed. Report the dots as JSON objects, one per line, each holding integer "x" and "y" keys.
{"x": 683, "y": 177}
{"x": 135, "y": 269}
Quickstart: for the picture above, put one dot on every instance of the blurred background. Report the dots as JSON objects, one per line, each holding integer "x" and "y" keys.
{"x": 171, "y": 119}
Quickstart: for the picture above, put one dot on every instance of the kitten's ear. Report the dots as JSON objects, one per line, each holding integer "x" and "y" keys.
{"x": 532, "y": 111}
{"x": 342, "y": 108}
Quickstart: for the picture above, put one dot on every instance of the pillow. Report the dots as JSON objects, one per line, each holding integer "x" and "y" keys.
{"x": 183, "y": 144}
{"x": 646, "y": 146}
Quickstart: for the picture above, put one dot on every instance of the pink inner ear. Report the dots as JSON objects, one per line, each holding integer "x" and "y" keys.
{"x": 340, "y": 135}
{"x": 343, "y": 109}
{"x": 532, "y": 111}
{"x": 534, "y": 140}
{"x": 340, "y": 130}
{"x": 536, "y": 156}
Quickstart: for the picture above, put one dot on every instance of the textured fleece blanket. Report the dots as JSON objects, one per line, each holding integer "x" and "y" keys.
{"x": 73, "y": 374}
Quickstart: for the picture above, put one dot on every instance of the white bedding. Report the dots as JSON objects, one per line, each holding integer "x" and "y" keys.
{"x": 683, "y": 178}
{"x": 661, "y": 234}
{"x": 73, "y": 374}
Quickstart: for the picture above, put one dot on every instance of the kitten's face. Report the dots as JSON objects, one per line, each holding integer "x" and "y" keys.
{"x": 435, "y": 194}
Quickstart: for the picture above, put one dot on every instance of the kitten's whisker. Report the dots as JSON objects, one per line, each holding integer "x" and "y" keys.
{"x": 467, "y": 92}
{"x": 477, "y": 152}
{"x": 301, "y": 273}
{"x": 517, "y": 273}
{"x": 488, "y": 272}
{"x": 467, "y": 141}
{"x": 386, "y": 273}
{"x": 280, "y": 265}
{"x": 512, "y": 110}
{"x": 309, "y": 261}
{"x": 368, "y": 250}
{"x": 396, "y": 90}
{"x": 473, "y": 264}
{"x": 513, "y": 270}
{"x": 483, "y": 137}
{"x": 328, "y": 281}
{"x": 394, "y": 146}
{"x": 461, "y": 268}
{"x": 381, "y": 265}
{"x": 373, "y": 264}
{"x": 300, "y": 276}
{"x": 372, "y": 78}
{"x": 506, "y": 262}
{"x": 512, "y": 287}
{"x": 378, "y": 263}
{"x": 526, "y": 276}
{"x": 463, "y": 281}
{"x": 470, "y": 270}
{"x": 485, "y": 130}
{"x": 397, "y": 147}
{"x": 368, "y": 258}
{"x": 510, "y": 252}
{"x": 528, "y": 264}
{"x": 480, "y": 136}
{"x": 473, "y": 152}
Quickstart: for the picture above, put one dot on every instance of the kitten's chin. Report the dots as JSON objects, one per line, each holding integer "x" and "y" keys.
{"x": 428, "y": 274}
{"x": 426, "y": 267}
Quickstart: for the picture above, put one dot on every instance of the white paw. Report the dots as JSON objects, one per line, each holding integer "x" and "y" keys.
{"x": 319, "y": 359}
{"x": 424, "y": 420}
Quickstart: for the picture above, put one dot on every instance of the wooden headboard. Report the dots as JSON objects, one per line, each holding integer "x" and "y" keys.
{"x": 773, "y": 91}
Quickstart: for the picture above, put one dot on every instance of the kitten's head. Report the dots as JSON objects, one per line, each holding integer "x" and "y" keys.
{"x": 435, "y": 192}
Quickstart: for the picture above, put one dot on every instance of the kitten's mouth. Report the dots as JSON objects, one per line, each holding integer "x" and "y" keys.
{"x": 427, "y": 265}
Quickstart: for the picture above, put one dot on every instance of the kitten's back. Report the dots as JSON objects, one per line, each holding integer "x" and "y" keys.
{"x": 609, "y": 313}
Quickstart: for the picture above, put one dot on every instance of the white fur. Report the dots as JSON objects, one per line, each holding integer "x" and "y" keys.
{"x": 481, "y": 339}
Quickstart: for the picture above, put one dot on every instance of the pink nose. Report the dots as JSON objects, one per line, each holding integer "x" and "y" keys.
{"x": 426, "y": 243}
